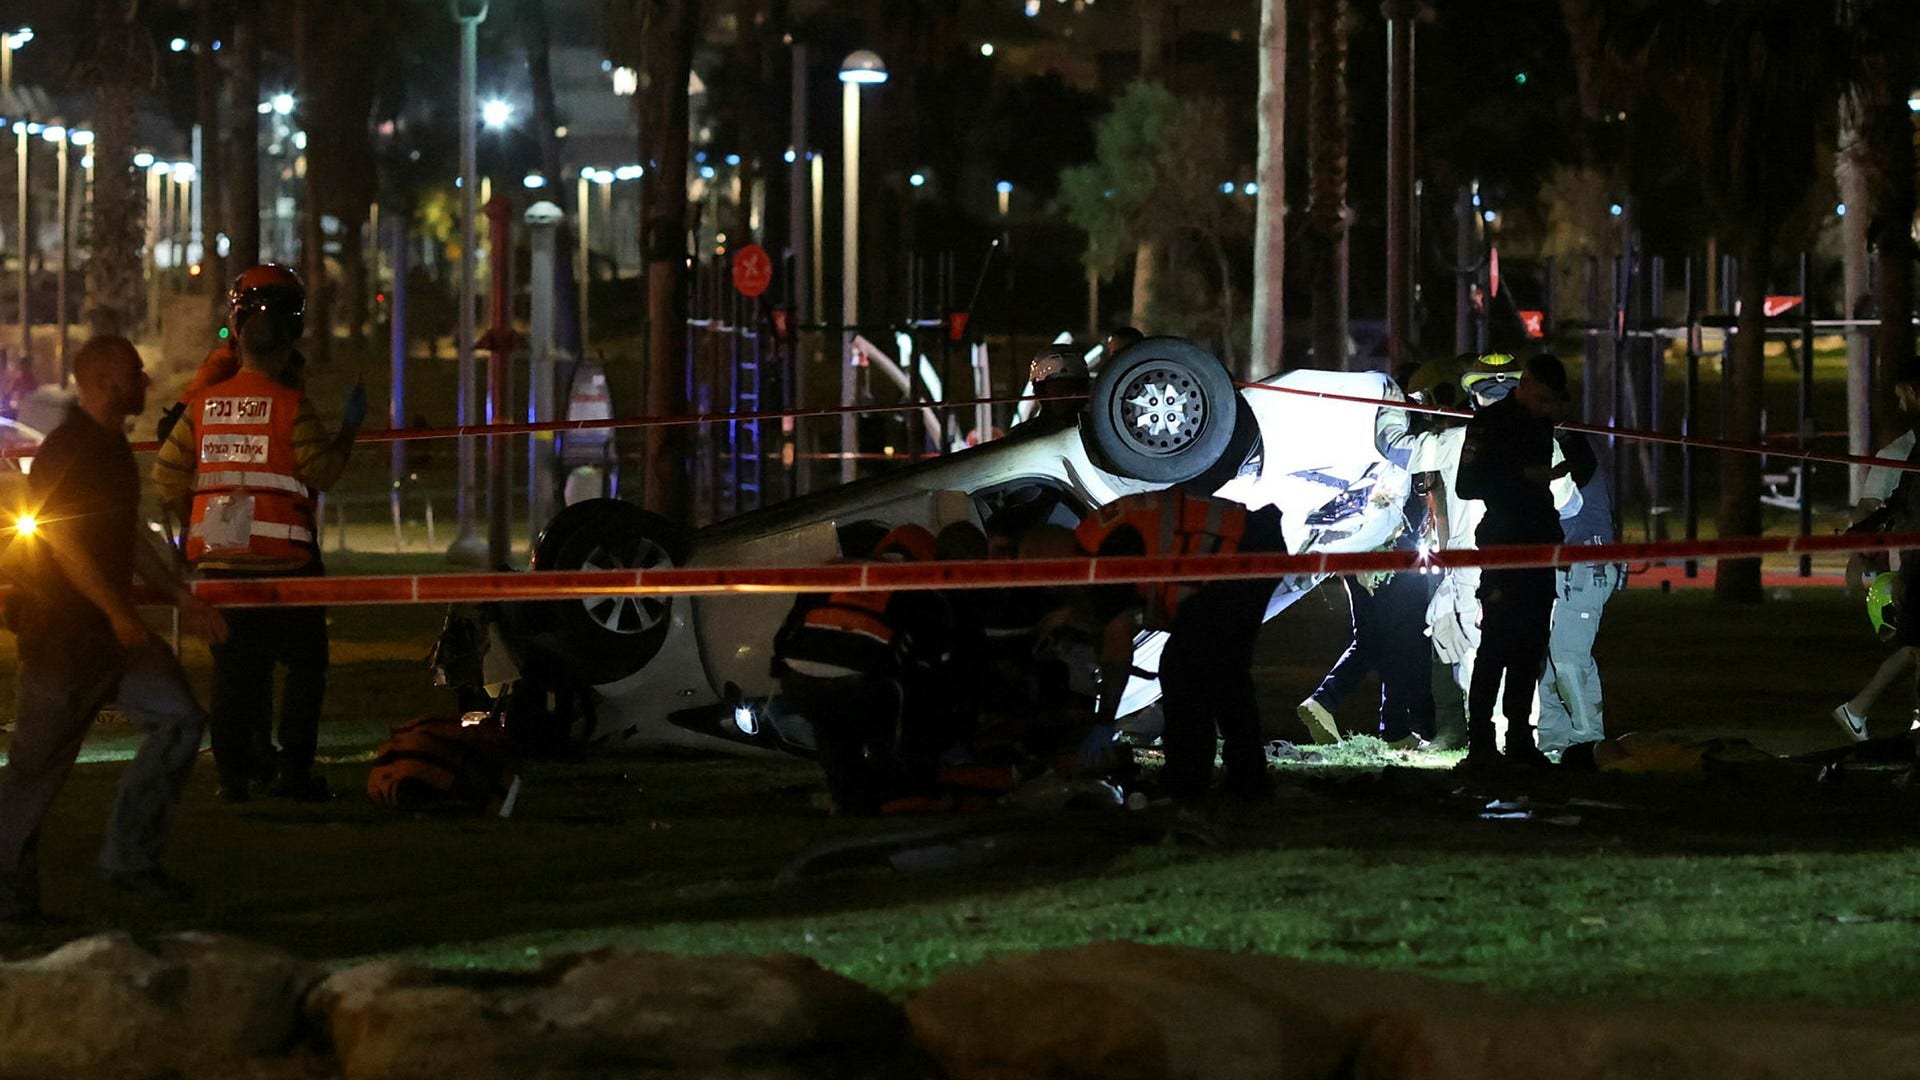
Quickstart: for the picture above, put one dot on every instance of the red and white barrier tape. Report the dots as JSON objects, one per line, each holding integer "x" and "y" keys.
{"x": 987, "y": 574}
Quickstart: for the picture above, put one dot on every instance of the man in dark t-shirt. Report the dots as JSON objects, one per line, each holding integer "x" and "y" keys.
{"x": 82, "y": 642}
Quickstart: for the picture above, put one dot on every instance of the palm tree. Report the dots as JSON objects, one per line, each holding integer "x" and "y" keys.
{"x": 1328, "y": 25}
{"x": 119, "y": 70}
{"x": 1751, "y": 81}
{"x": 1270, "y": 167}
{"x": 664, "y": 31}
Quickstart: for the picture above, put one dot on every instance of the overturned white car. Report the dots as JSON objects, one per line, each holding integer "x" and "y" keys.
{"x": 693, "y": 671}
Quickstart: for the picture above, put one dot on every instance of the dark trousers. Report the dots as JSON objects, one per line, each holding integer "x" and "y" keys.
{"x": 856, "y": 722}
{"x": 1515, "y": 626}
{"x": 59, "y": 693}
{"x": 1206, "y": 685}
{"x": 258, "y": 641}
{"x": 1389, "y": 636}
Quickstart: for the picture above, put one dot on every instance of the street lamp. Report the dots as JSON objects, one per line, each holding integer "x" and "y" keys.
{"x": 468, "y": 548}
{"x": 496, "y": 114}
{"x": 862, "y": 67}
{"x": 8, "y": 44}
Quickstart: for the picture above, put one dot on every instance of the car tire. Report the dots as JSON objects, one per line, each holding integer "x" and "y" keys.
{"x": 1243, "y": 446}
{"x": 603, "y": 639}
{"x": 1163, "y": 411}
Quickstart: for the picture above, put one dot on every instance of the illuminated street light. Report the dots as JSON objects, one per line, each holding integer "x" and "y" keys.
{"x": 533, "y": 180}
{"x": 281, "y": 103}
{"x": 986, "y": 48}
{"x": 918, "y": 179}
{"x": 495, "y": 113}
{"x": 629, "y": 172}
{"x": 81, "y": 137}
{"x": 178, "y": 44}
{"x": 142, "y": 160}
{"x": 9, "y": 44}
{"x": 862, "y": 67}
{"x": 1005, "y": 188}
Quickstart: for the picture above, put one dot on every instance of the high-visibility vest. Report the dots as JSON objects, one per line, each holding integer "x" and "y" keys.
{"x": 850, "y": 633}
{"x": 1168, "y": 523}
{"x": 249, "y": 504}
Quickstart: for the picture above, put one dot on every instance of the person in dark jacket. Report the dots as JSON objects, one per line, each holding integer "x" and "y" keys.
{"x": 1507, "y": 463}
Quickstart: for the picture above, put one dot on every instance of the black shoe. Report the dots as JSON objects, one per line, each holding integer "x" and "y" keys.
{"x": 1527, "y": 756}
{"x": 1481, "y": 760}
{"x": 301, "y": 789}
{"x": 154, "y": 884}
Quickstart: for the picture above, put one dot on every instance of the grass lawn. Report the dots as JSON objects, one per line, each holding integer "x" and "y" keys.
{"x": 1762, "y": 888}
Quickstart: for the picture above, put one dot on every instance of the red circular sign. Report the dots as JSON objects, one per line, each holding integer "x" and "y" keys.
{"x": 752, "y": 270}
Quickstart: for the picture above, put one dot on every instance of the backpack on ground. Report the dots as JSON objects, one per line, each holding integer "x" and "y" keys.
{"x": 447, "y": 763}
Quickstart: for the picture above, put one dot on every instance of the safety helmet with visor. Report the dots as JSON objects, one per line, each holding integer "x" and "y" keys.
{"x": 1491, "y": 376}
{"x": 1057, "y": 362}
{"x": 1884, "y": 595}
{"x": 268, "y": 289}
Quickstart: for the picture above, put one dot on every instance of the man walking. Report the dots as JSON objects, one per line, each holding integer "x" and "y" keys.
{"x": 82, "y": 644}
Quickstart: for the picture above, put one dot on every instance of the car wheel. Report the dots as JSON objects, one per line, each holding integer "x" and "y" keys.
{"x": 605, "y": 638}
{"x": 1244, "y": 447}
{"x": 1163, "y": 412}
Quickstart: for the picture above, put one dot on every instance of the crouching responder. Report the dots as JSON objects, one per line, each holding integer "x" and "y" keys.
{"x": 858, "y": 666}
{"x": 1206, "y": 678}
{"x": 247, "y": 459}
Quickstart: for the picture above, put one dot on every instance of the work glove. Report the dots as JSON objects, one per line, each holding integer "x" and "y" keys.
{"x": 354, "y": 412}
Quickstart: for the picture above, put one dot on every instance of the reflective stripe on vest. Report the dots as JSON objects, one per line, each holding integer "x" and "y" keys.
{"x": 299, "y": 534}
{"x": 234, "y": 478}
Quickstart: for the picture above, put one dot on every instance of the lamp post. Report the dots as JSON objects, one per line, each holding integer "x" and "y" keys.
{"x": 21, "y": 131}
{"x": 467, "y": 547}
{"x": 58, "y": 136}
{"x": 8, "y": 44}
{"x": 583, "y": 268}
{"x": 861, "y": 68}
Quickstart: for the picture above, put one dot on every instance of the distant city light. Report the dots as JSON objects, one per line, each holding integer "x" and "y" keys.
{"x": 699, "y": 157}
{"x": 1913, "y": 103}
{"x": 264, "y": 108}
{"x": 1840, "y": 210}
{"x": 82, "y": 137}
{"x": 1033, "y": 8}
{"x": 86, "y": 162}
{"x": 917, "y": 179}
{"x": 706, "y": 172}
{"x": 1003, "y": 187}
{"x": 18, "y": 38}
{"x": 178, "y": 44}
{"x": 282, "y": 103}
{"x": 1616, "y": 210}
{"x": 161, "y": 168}
{"x": 733, "y": 159}
{"x": 560, "y": 132}
{"x": 19, "y": 127}
{"x": 629, "y": 172}
{"x": 1519, "y": 78}
{"x": 1226, "y": 188}
{"x": 299, "y": 140}
{"x": 588, "y": 172}
{"x": 986, "y": 48}
{"x": 790, "y": 157}
{"x": 496, "y": 113}
{"x": 54, "y": 133}
{"x": 626, "y": 82}
{"x": 603, "y": 177}
{"x": 533, "y": 180}
{"x": 184, "y": 172}
{"x": 1489, "y": 216}
{"x": 1249, "y": 188}
{"x": 216, "y": 44}
{"x": 142, "y": 160}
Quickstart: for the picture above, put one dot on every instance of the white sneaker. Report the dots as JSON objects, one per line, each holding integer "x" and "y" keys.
{"x": 1320, "y": 723}
{"x": 1851, "y": 722}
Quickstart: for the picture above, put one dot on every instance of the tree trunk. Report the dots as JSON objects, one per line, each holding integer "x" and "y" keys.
{"x": 1888, "y": 41}
{"x": 1146, "y": 271}
{"x": 213, "y": 174}
{"x": 670, "y": 32}
{"x": 1738, "y": 580}
{"x": 1850, "y": 177}
{"x": 1268, "y": 351}
{"x": 119, "y": 70}
{"x": 313, "y": 254}
{"x": 1327, "y": 137}
{"x": 243, "y": 179}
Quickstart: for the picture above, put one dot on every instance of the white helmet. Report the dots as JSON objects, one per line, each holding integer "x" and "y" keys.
{"x": 1057, "y": 362}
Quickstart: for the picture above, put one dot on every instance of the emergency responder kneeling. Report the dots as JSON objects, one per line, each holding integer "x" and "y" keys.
{"x": 1206, "y": 678}
{"x": 247, "y": 459}
{"x": 865, "y": 669}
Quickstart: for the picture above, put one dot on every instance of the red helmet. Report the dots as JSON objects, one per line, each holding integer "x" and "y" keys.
{"x": 269, "y": 288}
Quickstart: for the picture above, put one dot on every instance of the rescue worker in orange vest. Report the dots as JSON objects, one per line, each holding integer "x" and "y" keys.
{"x": 863, "y": 668}
{"x": 247, "y": 460}
{"x": 1206, "y": 678}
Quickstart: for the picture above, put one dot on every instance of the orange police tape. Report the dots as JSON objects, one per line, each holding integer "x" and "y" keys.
{"x": 987, "y": 574}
